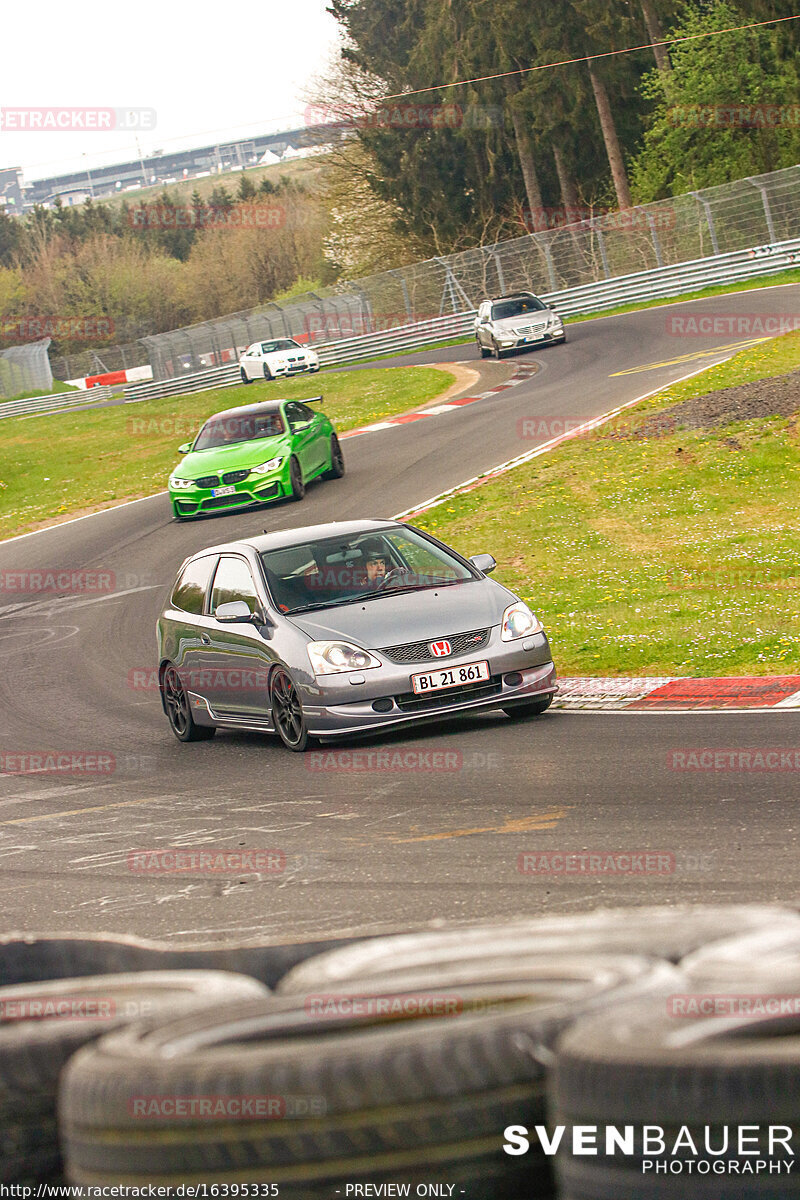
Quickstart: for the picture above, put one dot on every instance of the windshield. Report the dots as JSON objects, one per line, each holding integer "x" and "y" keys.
{"x": 227, "y": 429}
{"x": 517, "y": 308}
{"x": 333, "y": 571}
{"x": 279, "y": 344}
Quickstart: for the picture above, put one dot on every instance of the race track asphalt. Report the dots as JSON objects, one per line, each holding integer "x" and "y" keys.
{"x": 435, "y": 829}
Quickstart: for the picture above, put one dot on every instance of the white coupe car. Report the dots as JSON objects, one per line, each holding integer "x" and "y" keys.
{"x": 281, "y": 356}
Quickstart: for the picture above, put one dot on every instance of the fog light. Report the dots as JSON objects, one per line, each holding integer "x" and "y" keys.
{"x": 514, "y": 679}
{"x": 383, "y": 706}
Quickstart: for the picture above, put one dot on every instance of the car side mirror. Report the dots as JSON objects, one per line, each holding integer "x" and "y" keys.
{"x": 552, "y": 306}
{"x": 232, "y": 613}
{"x": 484, "y": 562}
{"x": 185, "y": 448}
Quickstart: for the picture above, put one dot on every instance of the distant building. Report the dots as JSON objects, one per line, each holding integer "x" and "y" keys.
{"x": 165, "y": 166}
{"x": 11, "y": 190}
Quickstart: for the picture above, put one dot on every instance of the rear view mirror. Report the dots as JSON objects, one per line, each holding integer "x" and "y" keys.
{"x": 233, "y": 612}
{"x": 484, "y": 563}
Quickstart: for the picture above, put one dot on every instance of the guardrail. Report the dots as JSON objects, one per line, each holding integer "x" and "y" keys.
{"x": 657, "y": 284}
{"x": 198, "y": 381}
{"x": 55, "y": 402}
{"x": 664, "y": 282}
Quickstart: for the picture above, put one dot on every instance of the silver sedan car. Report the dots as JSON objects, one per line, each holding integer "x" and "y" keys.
{"x": 344, "y": 629}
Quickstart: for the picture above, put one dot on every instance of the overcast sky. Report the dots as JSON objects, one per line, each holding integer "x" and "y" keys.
{"x": 211, "y": 72}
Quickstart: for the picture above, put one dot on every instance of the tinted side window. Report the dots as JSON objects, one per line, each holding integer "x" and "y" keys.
{"x": 190, "y": 590}
{"x": 298, "y": 414}
{"x": 233, "y": 581}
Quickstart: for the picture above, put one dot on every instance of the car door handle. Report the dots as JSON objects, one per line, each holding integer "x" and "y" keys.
{"x": 205, "y": 639}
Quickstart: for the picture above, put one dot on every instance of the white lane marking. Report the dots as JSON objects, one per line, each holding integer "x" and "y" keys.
{"x": 502, "y": 468}
{"x": 45, "y": 607}
{"x": 50, "y": 636}
{"x": 792, "y": 701}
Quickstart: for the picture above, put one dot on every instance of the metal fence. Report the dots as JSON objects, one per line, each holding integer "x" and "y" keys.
{"x": 25, "y": 369}
{"x": 604, "y": 246}
{"x": 39, "y": 406}
{"x": 660, "y": 283}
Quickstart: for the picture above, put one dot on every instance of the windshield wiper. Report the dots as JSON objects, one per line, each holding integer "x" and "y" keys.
{"x": 312, "y": 607}
{"x": 399, "y": 591}
{"x": 424, "y": 587}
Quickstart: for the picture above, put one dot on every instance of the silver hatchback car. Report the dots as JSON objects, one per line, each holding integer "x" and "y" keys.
{"x": 344, "y": 628}
{"x": 517, "y": 322}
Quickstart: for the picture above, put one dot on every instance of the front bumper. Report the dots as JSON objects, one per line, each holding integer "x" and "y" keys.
{"x": 336, "y": 706}
{"x": 295, "y": 368}
{"x": 195, "y": 502}
{"x": 534, "y": 339}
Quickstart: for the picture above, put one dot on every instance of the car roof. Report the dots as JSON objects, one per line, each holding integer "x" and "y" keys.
{"x": 281, "y": 538}
{"x": 515, "y": 296}
{"x": 265, "y": 406}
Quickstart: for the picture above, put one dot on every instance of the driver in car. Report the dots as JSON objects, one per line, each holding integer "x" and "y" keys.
{"x": 374, "y": 564}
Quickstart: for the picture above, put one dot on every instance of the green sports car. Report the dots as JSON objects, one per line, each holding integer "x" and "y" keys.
{"x": 254, "y": 454}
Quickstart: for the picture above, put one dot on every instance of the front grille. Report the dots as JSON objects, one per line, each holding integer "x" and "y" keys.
{"x": 408, "y": 702}
{"x": 208, "y": 481}
{"x": 416, "y": 652}
{"x": 226, "y": 501}
{"x": 235, "y": 476}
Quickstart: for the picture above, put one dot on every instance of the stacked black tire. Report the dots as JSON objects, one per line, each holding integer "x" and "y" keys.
{"x": 403, "y": 1059}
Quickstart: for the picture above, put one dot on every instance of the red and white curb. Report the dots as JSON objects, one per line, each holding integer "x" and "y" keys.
{"x": 520, "y": 375}
{"x": 111, "y": 378}
{"x": 679, "y": 693}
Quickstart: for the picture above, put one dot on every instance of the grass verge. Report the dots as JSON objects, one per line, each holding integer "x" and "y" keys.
{"x": 70, "y": 462}
{"x": 675, "y": 554}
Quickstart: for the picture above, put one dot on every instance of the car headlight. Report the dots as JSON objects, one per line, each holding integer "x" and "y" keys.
{"x": 519, "y": 621}
{"x": 265, "y": 468}
{"x": 331, "y": 658}
{"x": 181, "y": 484}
